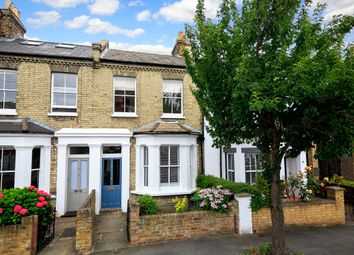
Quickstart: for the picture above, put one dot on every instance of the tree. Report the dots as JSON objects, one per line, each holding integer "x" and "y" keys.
{"x": 276, "y": 74}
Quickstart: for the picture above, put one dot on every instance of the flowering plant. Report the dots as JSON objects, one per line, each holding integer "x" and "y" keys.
{"x": 297, "y": 187}
{"x": 212, "y": 199}
{"x": 17, "y": 203}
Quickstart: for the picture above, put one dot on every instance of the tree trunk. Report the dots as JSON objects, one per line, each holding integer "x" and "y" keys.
{"x": 276, "y": 210}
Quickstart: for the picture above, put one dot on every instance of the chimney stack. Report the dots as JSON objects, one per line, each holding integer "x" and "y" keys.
{"x": 182, "y": 43}
{"x": 98, "y": 48}
{"x": 10, "y": 23}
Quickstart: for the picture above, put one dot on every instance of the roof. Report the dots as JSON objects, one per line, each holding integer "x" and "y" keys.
{"x": 24, "y": 126}
{"x": 84, "y": 52}
{"x": 162, "y": 127}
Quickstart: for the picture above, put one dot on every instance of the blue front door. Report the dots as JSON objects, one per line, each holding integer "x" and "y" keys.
{"x": 111, "y": 182}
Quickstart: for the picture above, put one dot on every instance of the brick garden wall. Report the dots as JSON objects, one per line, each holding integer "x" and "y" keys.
{"x": 84, "y": 225}
{"x": 177, "y": 226}
{"x": 19, "y": 239}
{"x": 318, "y": 213}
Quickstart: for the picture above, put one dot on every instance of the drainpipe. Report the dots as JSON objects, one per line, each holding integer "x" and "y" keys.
{"x": 220, "y": 164}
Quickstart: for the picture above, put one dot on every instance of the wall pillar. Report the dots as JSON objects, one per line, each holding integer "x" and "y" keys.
{"x": 154, "y": 168}
{"x": 95, "y": 173}
{"x": 23, "y": 166}
{"x": 244, "y": 213}
{"x": 44, "y": 172}
{"x": 125, "y": 176}
{"x": 184, "y": 166}
{"x": 62, "y": 179}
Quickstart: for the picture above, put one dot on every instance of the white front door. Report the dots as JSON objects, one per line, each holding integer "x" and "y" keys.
{"x": 77, "y": 183}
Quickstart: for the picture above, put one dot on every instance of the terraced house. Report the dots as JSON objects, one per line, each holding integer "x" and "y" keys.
{"x": 77, "y": 118}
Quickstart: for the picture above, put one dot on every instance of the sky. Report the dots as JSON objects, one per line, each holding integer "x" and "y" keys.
{"x": 138, "y": 25}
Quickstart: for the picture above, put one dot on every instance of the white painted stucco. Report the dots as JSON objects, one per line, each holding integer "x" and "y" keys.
{"x": 95, "y": 139}
{"x": 244, "y": 213}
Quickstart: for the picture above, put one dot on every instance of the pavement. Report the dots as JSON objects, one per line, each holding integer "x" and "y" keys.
{"x": 338, "y": 240}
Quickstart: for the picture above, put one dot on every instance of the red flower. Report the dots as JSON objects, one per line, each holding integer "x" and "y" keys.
{"x": 39, "y": 204}
{"x": 23, "y": 211}
{"x": 41, "y": 199}
{"x": 17, "y": 208}
{"x": 31, "y": 187}
{"x": 1, "y": 211}
{"x": 44, "y": 203}
{"x": 49, "y": 195}
{"x": 1, "y": 195}
{"x": 41, "y": 192}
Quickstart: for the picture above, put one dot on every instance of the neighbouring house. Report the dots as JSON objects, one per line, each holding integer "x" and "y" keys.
{"x": 75, "y": 118}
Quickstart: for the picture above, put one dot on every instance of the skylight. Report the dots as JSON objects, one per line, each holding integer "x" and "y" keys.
{"x": 32, "y": 43}
{"x": 65, "y": 45}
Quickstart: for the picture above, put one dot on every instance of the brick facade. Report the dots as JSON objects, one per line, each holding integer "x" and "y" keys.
{"x": 178, "y": 226}
{"x": 21, "y": 238}
{"x": 317, "y": 213}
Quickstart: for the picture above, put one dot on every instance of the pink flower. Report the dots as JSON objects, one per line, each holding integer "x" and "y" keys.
{"x": 41, "y": 192}
{"x": 48, "y": 195}
{"x": 17, "y": 208}
{"x": 1, "y": 211}
{"x": 23, "y": 211}
{"x": 41, "y": 199}
{"x": 44, "y": 203}
{"x": 39, "y": 204}
{"x": 1, "y": 195}
{"x": 31, "y": 187}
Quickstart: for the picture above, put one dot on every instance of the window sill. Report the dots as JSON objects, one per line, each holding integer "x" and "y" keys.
{"x": 172, "y": 116}
{"x": 8, "y": 112}
{"x": 63, "y": 114}
{"x": 124, "y": 115}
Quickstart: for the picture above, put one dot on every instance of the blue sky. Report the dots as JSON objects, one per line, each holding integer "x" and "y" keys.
{"x": 139, "y": 25}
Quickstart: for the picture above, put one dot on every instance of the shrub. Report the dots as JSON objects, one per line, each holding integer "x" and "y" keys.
{"x": 261, "y": 193}
{"x": 17, "y": 203}
{"x": 212, "y": 199}
{"x": 148, "y": 205}
{"x": 180, "y": 204}
{"x": 264, "y": 250}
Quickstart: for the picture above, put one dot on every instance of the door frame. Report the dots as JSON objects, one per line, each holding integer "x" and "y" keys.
{"x": 111, "y": 157}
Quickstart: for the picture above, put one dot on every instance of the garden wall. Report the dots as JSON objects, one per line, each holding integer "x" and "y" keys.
{"x": 175, "y": 226}
{"x": 84, "y": 225}
{"x": 318, "y": 213}
{"x": 20, "y": 238}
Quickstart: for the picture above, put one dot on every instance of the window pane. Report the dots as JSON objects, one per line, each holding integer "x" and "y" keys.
{"x": 83, "y": 174}
{"x": 71, "y": 81}
{"x": 79, "y": 150}
{"x": 73, "y": 174}
{"x": 130, "y": 104}
{"x": 63, "y": 109}
{"x": 10, "y": 81}
{"x": 70, "y": 100}
{"x": 163, "y": 174}
{"x": 174, "y": 157}
{"x": 146, "y": 156}
{"x": 248, "y": 177}
{"x": 176, "y": 105}
{"x": 36, "y": 158}
{"x": 119, "y": 104}
{"x": 58, "y": 80}
{"x": 8, "y": 180}
{"x": 167, "y": 106}
{"x": 107, "y": 172}
{"x": 124, "y": 83}
{"x": 130, "y": 92}
{"x": 59, "y": 99}
{"x": 2, "y": 95}
{"x": 9, "y": 159}
{"x": 116, "y": 172}
{"x": 174, "y": 174}
{"x": 163, "y": 155}
{"x": 172, "y": 86}
{"x": 119, "y": 92}
{"x": 231, "y": 175}
{"x": 112, "y": 149}
{"x": 2, "y": 76}
{"x": 10, "y": 99}
{"x": 35, "y": 178}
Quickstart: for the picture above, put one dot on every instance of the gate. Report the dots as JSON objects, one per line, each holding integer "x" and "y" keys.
{"x": 329, "y": 168}
{"x": 46, "y": 229}
{"x": 349, "y": 203}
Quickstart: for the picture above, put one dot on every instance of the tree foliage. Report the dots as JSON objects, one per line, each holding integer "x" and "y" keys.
{"x": 276, "y": 74}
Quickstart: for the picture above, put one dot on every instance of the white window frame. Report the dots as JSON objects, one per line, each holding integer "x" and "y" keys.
{"x": 37, "y": 169}
{"x": 173, "y": 115}
{"x": 145, "y": 166}
{"x": 2, "y": 171}
{"x": 250, "y": 171}
{"x": 124, "y": 114}
{"x": 6, "y": 111}
{"x": 73, "y": 114}
{"x": 168, "y": 166}
{"x": 228, "y": 169}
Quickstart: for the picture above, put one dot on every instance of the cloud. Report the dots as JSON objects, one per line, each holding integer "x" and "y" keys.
{"x": 135, "y": 3}
{"x": 96, "y": 26}
{"x": 44, "y": 19}
{"x": 32, "y": 38}
{"x": 336, "y": 7}
{"x": 147, "y": 48}
{"x": 184, "y": 10}
{"x": 62, "y": 3}
{"x": 144, "y": 16}
{"x": 104, "y": 7}
{"x": 77, "y": 22}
